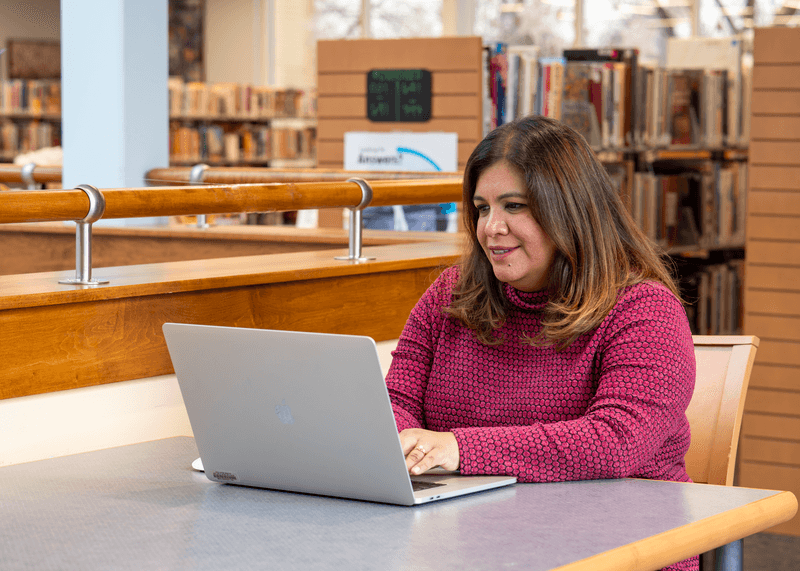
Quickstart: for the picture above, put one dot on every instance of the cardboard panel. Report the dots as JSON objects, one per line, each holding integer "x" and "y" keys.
{"x": 435, "y": 54}
{"x": 774, "y": 327}
{"x": 768, "y": 425}
{"x": 772, "y": 178}
{"x": 773, "y": 202}
{"x": 334, "y": 129}
{"x": 775, "y": 376}
{"x": 776, "y": 152}
{"x": 776, "y": 76}
{"x": 757, "y": 475}
{"x": 772, "y": 127}
{"x": 774, "y": 227}
{"x": 780, "y": 353}
{"x": 773, "y": 402}
{"x": 774, "y": 102}
{"x": 767, "y": 450}
{"x": 776, "y": 45}
{"x": 773, "y": 252}
{"x": 776, "y": 302}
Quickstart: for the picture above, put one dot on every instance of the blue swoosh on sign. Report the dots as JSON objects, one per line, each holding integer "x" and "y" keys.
{"x": 418, "y": 154}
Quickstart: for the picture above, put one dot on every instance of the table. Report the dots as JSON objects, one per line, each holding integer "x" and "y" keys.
{"x": 143, "y": 507}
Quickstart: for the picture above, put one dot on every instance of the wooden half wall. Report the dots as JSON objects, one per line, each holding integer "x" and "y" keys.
{"x": 769, "y": 454}
{"x": 50, "y": 246}
{"x": 58, "y": 337}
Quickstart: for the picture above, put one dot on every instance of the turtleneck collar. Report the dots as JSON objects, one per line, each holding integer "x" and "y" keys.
{"x": 527, "y": 301}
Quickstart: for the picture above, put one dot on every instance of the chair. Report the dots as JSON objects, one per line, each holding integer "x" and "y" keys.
{"x": 715, "y": 412}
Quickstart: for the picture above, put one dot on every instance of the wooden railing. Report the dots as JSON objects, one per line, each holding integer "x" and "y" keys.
{"x": 240, "y": 175}
{"x": 29, "y": 174}
{"x": 71, "y": 204}
{"x": 58, "y": 337}
{"x": 35, "y": 174}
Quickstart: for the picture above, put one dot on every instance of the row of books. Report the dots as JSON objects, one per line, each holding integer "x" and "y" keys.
{"x": 30, "y": 96}
{"x": 714, "y": 296}
{"x": 23, "y": 137}
{"x": 186, "y": 99}
{"x": 615, "y": 102}
{"x": 294, "y": 143}
{"x": 245, "y": 143}
{"x": 234, "y": 100}
{"x": 700, "y": 208}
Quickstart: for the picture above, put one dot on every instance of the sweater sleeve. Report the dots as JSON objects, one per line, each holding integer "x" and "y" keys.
{"x": 646, "y": 371}
{"x": 409, "y": 372}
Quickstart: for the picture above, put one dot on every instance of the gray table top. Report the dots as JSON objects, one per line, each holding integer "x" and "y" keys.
{"x": 143, "y": 507}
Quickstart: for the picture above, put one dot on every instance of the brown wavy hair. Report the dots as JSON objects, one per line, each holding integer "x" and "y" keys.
{"x": 599, "y": 248}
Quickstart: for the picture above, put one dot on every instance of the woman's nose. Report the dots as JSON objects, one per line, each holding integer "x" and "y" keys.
{"x": 496, "y": 224}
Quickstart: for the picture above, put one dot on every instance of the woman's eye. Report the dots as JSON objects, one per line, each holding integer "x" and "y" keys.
{"x": 482, "y": 208}
{"x": 515, "y": 206}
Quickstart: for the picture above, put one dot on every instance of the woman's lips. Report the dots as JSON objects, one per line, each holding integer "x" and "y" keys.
{"x": 499, "y": 253}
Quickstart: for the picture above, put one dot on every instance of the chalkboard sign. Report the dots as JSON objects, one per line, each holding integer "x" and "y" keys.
{"x": 399, "y": 95}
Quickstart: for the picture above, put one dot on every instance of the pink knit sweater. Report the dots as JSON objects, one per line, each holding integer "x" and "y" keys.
{"x": 611, "y": 405}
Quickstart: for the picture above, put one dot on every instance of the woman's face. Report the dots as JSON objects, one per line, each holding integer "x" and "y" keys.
{"x": 520, "y": 252}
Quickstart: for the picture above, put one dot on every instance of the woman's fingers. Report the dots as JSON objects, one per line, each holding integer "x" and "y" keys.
{"x": 426, "y": 449}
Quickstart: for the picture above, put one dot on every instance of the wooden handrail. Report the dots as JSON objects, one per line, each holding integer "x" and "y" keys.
{"x": 244, "y": 175}
{"x": 63, "y": 205}
{"x": 41, "y": 174}
{"x": 231, "y": 175}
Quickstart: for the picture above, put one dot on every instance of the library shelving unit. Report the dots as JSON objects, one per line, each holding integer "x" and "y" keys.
{"x": 217, "y": 124}
{"x": 30, "y": 116}
{"x": 769, "y": 454}
{"x": 672, "y": 144}
{"x": 229, "y": 124}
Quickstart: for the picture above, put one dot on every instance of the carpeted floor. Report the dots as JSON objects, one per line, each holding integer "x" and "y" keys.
{"x": 770, "y": 552}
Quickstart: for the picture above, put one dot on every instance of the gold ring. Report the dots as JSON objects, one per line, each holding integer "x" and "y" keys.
{"x": 421, "y": 449}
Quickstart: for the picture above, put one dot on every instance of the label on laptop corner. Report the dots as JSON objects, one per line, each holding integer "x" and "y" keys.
{"x": 224, "y": 476}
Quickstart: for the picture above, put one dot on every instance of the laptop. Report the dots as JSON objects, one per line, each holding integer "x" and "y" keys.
{"x": 299, "y": 412}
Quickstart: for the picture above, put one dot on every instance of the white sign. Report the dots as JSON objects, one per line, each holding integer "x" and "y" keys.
{"x": 365, "y": 151}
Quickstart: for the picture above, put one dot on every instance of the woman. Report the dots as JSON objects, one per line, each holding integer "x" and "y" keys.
{"x": 558, "y": 349}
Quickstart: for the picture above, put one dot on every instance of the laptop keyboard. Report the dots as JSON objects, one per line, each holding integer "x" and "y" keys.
{"x": 419, "y": 485}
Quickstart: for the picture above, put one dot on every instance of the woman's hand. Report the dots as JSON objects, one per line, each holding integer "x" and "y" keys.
{"x": 426, "y": 449}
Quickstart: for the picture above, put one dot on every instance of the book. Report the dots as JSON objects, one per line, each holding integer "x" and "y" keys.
{"x": 521, "y": 81}
{"x": 581, "y": 105}
{"x": 620, "y": 92}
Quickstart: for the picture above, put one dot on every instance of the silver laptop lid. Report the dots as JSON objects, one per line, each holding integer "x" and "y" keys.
{"x": 294, "y": 411}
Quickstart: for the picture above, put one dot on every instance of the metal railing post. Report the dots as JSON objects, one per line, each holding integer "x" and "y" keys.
{"x": 196, "y": 177}
{"x": 356, "y": 223}
{"x": 27, "y": 176}
{"x": 83, "y": 238}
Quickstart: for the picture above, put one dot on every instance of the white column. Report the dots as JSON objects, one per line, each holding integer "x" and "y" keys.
{"x": 295, "y": 47}
{"x": 115, "y": 116}
{"x": 458, "y": 17}
{"x": 694, "y": 7}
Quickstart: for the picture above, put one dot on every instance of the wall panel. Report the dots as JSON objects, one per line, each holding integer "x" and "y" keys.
{"x": 455, "y": 64}
{"x": 770, "y": 447}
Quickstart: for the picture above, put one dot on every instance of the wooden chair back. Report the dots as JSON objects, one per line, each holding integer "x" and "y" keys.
{"x": 715, "y": 412}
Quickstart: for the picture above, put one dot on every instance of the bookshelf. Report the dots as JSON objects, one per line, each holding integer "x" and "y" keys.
{"x": 221, "y": 124}
{"x": 769, "y": 453}
{"x": 30, "y": 116}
